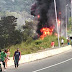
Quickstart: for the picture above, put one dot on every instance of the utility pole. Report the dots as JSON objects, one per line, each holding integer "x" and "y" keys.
{"x": 66, "y": 19}
{"x": 60, "y": 22}
{"x": 56, "y": 22}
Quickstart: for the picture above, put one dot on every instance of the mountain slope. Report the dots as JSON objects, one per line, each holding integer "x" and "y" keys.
{"x": 15, "y": 5}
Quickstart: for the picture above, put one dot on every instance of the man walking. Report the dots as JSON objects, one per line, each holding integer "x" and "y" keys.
{"x": 16, "y": 57}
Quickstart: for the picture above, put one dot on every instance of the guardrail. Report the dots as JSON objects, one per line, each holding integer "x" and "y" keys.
{"x": 39, "y": 55}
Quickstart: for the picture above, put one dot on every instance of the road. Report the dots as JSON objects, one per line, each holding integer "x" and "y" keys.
{"x": 57, "y": 63}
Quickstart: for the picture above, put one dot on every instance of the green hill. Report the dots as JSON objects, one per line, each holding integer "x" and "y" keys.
{"x": 15, "y": 5}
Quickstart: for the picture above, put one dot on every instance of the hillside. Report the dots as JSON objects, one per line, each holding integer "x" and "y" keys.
{"x": 32, "y": 46}
{"x": 15, "y": 5}
{"x": 18, "y": 8}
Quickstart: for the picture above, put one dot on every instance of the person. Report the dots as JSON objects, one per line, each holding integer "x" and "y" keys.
{"x": 52, "y": 44}
{"x": 0, "y": 62}
{"x": 17, "y": 57}
{"x": 68, "y": 41}
{"x": 62, "y": 41}
{"x": 3, "y": 57}
{"x": 7, "y": 57}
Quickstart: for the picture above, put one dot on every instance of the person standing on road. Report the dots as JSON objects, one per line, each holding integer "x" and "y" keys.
{"x": 17, "y": 57}
{"x": 3, "y": 57}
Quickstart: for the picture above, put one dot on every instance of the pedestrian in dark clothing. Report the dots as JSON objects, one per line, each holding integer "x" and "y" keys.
{"x": 17, "y": 57}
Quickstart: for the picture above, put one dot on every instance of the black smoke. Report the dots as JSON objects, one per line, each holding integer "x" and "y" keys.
{"x": 45, "y": 8}
{"x": 41, "y": 7}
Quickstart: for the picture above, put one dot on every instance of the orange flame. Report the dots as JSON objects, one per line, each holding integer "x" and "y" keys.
{"x": 45, "y": 32}
{"x": 38, "y": 16}
{"x": 58, "y": 22}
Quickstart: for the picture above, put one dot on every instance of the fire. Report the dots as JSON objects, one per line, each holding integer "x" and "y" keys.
{"x": 38, "y": 16}
{"x": 45, "y": 32}
{"x": 58, "y": 22}
{"x": 48, "y": 31}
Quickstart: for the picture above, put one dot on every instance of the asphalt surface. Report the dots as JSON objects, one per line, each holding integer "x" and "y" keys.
{"x": 57, "y": 63}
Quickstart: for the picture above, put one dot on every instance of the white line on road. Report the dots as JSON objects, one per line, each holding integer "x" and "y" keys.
{"x": 53, "y": 65}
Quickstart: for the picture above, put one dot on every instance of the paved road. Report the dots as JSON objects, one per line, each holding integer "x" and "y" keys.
{"x": 58, "y": 63}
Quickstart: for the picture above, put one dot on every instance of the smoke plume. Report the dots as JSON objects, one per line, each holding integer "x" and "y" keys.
{"x": 44, "y": 11}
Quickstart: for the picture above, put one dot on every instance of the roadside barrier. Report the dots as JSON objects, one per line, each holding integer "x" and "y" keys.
{"x": 40, "y": 55}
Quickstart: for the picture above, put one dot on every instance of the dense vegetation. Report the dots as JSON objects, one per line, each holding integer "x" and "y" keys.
{"x": 12, "y": 38}
{"x": 9, "y": 35}
{"x": 32, "y": 46}
{"x": 15, "y": 5}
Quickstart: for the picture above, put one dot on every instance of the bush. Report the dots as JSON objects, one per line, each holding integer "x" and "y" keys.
{"x": 31, "y": 46}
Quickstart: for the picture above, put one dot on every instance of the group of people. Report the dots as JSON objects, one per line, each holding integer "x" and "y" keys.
{"x": 62, "y": 42}
{"x": 4, "y": 57}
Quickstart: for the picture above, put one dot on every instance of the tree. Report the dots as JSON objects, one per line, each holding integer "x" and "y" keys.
{"x": 29, "y": 29}
{"x": 8, "y": 34}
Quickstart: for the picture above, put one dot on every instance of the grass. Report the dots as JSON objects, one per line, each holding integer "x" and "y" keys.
{"x": 32, "y": 46}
